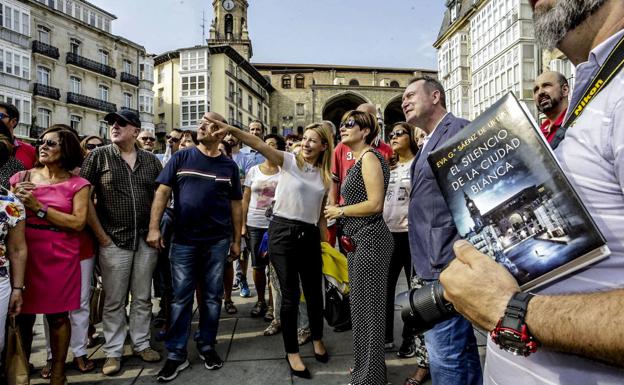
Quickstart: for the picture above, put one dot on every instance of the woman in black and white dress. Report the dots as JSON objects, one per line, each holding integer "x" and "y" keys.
{"x": 370, "y": 246}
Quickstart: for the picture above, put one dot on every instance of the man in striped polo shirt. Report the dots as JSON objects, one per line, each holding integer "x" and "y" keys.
{"x": 207, "y": 215}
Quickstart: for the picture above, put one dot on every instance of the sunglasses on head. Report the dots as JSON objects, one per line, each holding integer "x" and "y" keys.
{"x": 397, "y": 134}
{"x": 147, "y": 139}
{"x": 173, "y": 139}
{"x": 120, "y": 122}
{"x": 92, "y": 146}
{"x": 47, "y": 142}
{"x": 348, "y": 124}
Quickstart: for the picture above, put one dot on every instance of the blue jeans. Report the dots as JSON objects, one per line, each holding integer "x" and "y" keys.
{"x": 453, "y": 353}
{"x": 196, "y": 265}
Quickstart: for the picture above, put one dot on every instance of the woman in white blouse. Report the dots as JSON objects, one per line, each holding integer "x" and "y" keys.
{"x": 296, "y": 231}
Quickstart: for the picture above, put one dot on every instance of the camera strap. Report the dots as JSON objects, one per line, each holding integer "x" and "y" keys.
{"x": 612, "y": 65}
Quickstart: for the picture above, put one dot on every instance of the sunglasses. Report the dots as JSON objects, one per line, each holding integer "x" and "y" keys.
{"x": 47, "y": 142}
{"x": 173, "y": 139}
{"x": 91, "y": 146}
{"x": 348, "y": 124}
{"x": 147, "y": 139}
{"x": 397, "y": 134}
{"x": 120, "y": 122}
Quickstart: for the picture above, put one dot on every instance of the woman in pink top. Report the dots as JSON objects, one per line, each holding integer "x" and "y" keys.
{"x": 57, "y": 204}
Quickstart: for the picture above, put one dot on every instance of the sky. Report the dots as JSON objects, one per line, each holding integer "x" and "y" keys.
{"x": 382, "y": 33}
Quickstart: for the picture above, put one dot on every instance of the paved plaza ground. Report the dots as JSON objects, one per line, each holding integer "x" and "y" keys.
{"x": 250, "y": 357}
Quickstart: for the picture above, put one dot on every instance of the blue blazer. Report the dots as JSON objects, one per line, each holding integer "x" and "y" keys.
{"x": 432, "y": 231}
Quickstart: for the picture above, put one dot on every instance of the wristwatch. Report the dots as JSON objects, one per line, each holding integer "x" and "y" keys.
{"x": 512, "y": 333}
{"x": 22, "y": 288}
{"x": 42, "y": 212}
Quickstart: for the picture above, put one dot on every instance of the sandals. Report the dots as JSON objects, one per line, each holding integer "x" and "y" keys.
{"x": 83, "y": 364}
{"x": 273, "y": 328}
{"x": 46, "y": 371}
{"x": 229, "y": 307}
{"x": 411, "y": 381}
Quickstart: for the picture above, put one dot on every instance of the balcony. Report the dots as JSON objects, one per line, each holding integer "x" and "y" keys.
{"x": 131, "y": 109}
{"x": 45, "y": 49}
{"x": 46, "y": 91}
{"x": 90, "y": 102}
{"x": 90, "y": 65}
{"x": 14, "y": 37}
{"x": 161, "y": 128}
{"x": 130, "y": 79}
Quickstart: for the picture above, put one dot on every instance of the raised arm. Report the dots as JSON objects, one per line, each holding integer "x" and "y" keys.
{"x": 588, "y": 324}
{"x": 273, "y": 155}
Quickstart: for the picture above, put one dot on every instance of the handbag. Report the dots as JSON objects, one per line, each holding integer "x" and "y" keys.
{"x": 17, "y": 369}
{"x": 337, "y": 307}
{"x": 96, "y": 301}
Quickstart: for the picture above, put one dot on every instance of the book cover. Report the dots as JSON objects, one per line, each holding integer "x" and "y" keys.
{"x": 509, "y": 197}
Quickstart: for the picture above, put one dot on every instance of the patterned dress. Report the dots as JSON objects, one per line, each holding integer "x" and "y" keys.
{"x": 368, "y": 273}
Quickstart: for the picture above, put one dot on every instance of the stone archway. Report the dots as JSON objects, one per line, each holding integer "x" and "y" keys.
{"x": 336, "y": 106}
{"x": 392, "y": 113}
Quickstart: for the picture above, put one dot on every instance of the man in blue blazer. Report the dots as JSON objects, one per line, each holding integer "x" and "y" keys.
{"x": 452, "y": 347}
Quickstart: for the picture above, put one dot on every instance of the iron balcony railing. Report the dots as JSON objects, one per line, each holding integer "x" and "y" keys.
{"x": 90, "y": 65}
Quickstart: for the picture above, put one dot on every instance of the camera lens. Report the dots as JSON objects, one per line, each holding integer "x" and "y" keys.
{"x": 425, "y": 307}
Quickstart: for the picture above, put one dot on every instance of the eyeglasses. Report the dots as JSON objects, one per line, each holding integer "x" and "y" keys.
{"x": 172, "y": 138}
{"x": 120, "y": 122}
{"x": 147, "y": 139}
{"x": 92, "y": 146}
{"x": 47, "y": 142}
{"x": 3, "y": 115}
{"x": 397, "y": 134}
{"x": 348, "y": 124}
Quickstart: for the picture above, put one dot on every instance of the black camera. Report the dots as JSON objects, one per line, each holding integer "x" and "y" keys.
{"x": 425, "y": 307}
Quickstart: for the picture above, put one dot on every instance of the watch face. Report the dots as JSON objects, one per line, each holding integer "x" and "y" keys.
{"x": 228, "y": 5}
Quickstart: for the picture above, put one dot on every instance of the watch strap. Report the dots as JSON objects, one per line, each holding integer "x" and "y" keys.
{"x": 516, "y": 311}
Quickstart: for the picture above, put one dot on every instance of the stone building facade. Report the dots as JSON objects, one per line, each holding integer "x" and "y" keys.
{"x": 306, "y": 93}
{"x": 80, "y": 71}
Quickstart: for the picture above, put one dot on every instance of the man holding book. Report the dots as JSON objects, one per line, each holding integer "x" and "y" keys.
{"x": 451, "y": 344}
{"x": 577, "y": 319}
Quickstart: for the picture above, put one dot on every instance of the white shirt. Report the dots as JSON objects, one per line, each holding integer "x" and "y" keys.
{"x": 262, "y": 194}
{"x": 397, "y": 197}
{"x": 299, "y": 194}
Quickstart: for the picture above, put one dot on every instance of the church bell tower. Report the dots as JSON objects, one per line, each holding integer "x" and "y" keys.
{"x": 475, "y": 214}
{"x": 229, "y": 26}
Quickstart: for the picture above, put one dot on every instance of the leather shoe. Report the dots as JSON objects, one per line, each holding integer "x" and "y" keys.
{"x": 305, "y": 373}
{"x": 322, "y": 358}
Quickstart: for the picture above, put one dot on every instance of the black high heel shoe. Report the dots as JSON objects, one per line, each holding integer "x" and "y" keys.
{"x": 322, "y": 358}
{"x": 305, "y": 373}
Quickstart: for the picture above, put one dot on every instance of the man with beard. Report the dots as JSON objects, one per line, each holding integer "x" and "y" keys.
{"x": 577, "y": 319}
{"x": 550, "y": 94}
{"x": 208, "y": 213}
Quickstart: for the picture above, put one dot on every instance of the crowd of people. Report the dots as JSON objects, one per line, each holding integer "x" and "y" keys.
{"x": 183, "y": 225}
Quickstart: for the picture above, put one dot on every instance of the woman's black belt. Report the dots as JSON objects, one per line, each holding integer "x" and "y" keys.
{"x": 43, "y": 227}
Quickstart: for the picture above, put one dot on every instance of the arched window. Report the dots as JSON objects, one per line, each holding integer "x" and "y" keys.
{"x": 286, "y": 81}
{"x": 299, "y": 81}
{"x": 394, "y": 84}
{"x": 354, "y": 82}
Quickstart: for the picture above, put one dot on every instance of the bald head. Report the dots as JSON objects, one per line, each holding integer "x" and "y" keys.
{"x": 215, "y": 116}
{"x": 550, "y": 93}
{"x": 368, "y": 107}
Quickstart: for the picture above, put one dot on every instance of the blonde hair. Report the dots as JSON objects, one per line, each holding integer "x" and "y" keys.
{"x": 323, "y": 162}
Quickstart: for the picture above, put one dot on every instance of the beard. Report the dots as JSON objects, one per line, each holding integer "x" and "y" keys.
{"x": 548, "y": 105}
{"x": 554, "y": 22}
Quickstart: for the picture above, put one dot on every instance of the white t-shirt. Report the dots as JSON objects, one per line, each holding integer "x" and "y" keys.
{"x": 300, "y": 192}
{"x": 397, "y": 197}
{"x": 262, "y": 194}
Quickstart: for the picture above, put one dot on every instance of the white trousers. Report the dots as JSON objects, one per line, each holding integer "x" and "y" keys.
{"x": 5, "y": 295}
